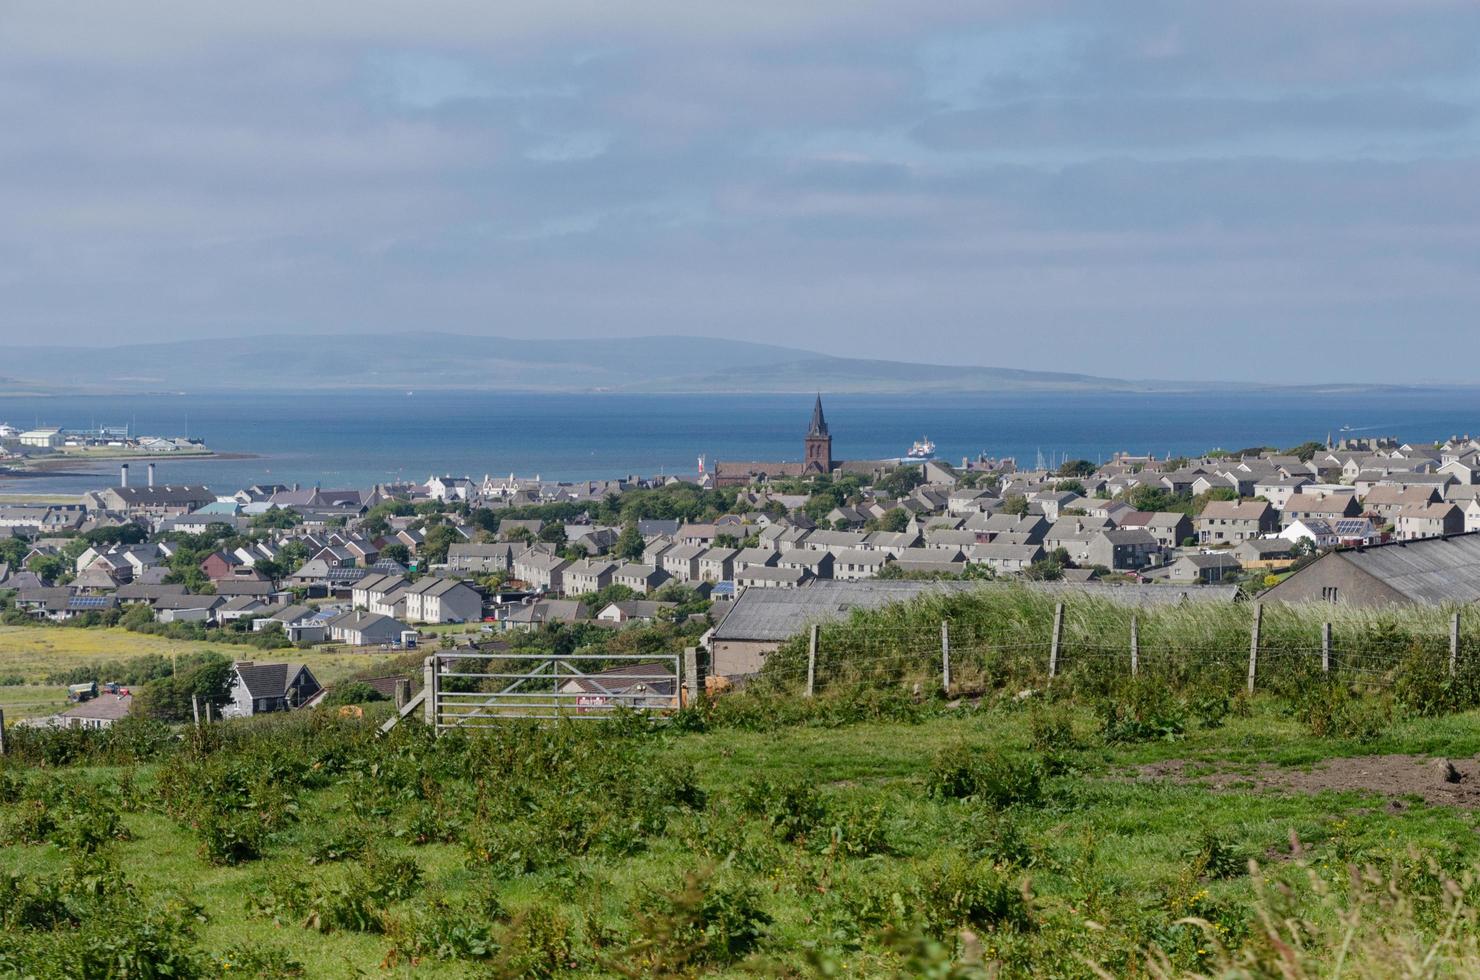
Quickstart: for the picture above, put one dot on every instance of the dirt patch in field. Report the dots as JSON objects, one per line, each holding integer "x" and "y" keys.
{"x": 1437, "y": 781}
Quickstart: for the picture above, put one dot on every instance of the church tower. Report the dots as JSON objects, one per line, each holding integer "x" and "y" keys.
{"x": 818, "y": 447}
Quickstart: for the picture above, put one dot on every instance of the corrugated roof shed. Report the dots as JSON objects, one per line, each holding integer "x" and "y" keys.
{"x": 1433, "y": 571}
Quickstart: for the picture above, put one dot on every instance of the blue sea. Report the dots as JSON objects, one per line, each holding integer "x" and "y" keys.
{"x": 358, "y": 438}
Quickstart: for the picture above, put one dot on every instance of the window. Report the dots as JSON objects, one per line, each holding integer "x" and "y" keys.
{"x": 1328, "y": 593}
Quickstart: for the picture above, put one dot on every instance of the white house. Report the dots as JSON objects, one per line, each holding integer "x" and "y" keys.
{"x": 443, "y": 600}
{"x": 1318, "y": 531}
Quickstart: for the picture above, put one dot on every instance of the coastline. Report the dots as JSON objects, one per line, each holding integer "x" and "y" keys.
{"x": 42, "y": 468}
{"x": 51, "y": 464}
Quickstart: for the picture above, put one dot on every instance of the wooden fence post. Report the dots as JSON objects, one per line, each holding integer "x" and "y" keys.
{"x": 209, "y": 719}
{"x": 812, "y": 660}
{"x": 1058, "y": 632}
{"x": 1254, "y": 643}
{"x": 429, "y": 690}
{"x": 2, "y": 731}
{"x": 1325, "y": 648}
{"x": 945, "y": 657}
{"x": 403, "y": 692}
{"x": 691, "y": 684}
{"x": 1135, "y": 646}
{"x": 1454, "y": 643}
{"x": 195, "y": 709}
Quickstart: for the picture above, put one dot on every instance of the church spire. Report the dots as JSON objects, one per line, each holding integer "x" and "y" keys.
{"x": 819, "y": 424}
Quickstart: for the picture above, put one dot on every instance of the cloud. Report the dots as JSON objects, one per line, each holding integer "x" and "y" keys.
{"x": 1057, "y": 184}
{"x": 1112, "y": 124}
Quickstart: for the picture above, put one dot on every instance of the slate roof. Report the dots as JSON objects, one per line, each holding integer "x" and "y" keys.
{"x": 266, "y": 680}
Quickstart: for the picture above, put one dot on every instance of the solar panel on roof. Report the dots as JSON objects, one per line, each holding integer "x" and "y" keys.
{"x": 88, "y": 602}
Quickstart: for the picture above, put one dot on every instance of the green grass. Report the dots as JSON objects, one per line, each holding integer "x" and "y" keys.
{"x": 1099, "y": 847}
{"x": 36, "y": 652}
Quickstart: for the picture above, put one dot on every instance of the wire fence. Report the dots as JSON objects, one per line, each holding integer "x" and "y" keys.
{"x": 1272, "y": 654}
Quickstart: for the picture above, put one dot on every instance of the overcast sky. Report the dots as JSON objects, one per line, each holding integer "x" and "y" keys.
{"x": 1276, "y": 190}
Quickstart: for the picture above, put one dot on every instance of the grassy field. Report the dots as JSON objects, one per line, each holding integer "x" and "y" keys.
{"x": 35, "y": 652}
{"x": 887, "y": 840}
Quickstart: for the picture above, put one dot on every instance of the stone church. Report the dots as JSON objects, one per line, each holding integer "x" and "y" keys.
{"x": 817, "y": 460}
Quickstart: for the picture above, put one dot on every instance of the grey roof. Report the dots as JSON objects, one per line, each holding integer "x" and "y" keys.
{"x": 1431, "y": 571}
{"x": 1216, "y": 559}
{"x": 657, "y": 678}
{"x": 268, "y": 680}
{"x": 104, "y": 707}
{"x": 779, "y": 614}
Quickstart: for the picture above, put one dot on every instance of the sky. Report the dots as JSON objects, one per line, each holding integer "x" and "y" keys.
{"x": 1267, "y": 190}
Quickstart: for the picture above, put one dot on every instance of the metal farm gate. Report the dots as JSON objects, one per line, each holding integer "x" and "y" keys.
{"x": 519, "y": 686}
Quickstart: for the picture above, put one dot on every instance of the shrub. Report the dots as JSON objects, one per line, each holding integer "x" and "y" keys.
{"x": 992, "y": 835}
{"x": 954, "y": 892}
{"x": 1051, "y": 729}
{"x": 444, "y": 932}
{"x": 1215, "y": 857}
{"x": 352, "y": 692}
{"x": 1141, "y": 724}
{"x": 338, "y": 843}
{"x": 230, "y": 836}
{"x": 259, "y": 961}
{"x": 988, "y": 776}
{"x": 534, "y": 942}
{"x": 857, "y": 828}
{"x": 705, "y": 920}
{"x": 1339, "y": 711}
{"x": 33, "y": 823}
{"x": 789, "y": 807}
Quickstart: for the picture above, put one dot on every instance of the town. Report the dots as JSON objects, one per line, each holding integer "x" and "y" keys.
{"x": 372, "y": 569}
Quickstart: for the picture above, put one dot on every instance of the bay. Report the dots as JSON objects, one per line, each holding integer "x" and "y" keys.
{"x": 358, "y": 438}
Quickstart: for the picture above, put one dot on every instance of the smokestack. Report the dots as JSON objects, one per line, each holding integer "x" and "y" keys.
{"x": 151, "y": 474}
{"x": 123, "y": 475}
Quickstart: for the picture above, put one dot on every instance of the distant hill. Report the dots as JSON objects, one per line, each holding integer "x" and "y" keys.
{"x": 423, "y": 360}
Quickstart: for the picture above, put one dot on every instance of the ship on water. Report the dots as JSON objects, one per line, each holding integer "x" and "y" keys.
{"x": 922, "y": 451}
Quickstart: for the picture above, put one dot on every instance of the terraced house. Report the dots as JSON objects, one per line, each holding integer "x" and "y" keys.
{"x": 1232, "y": 521}
{"x": 443, "y": 600}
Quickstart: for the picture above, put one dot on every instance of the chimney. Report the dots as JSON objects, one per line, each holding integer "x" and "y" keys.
{"x": 151, "y": 474}
{"x": 123, "y": 475}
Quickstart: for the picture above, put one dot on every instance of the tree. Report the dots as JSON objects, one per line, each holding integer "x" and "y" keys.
{"x": 272, "y": 568}
{"x": 276, "y": 518}
{"x": 553, "y": 533}
{"x": 895, "y": 520}
{"x": 396, "y": 552}
{"x": 13, "y": 551}
{"x": 1076, "y": 467}
{"x": 116, "y": 534}
{"x": 629, "y": 544}
{"x": 1071, "y": 486}
{"x": 1015, "y": 505}
{"x": 207, "y": 678}
{"x": 899, "y": 481}
{"x": 47, "y": 567}
{"x": 434, "y": 546}
{"x": 1306, "y": 451}
{"x": 1050, "y": 567}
